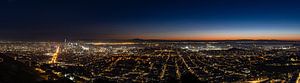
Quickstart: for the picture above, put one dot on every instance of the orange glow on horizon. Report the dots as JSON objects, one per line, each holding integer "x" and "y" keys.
{"x": 230, "y": 37}
{"x": 211, "y": 37}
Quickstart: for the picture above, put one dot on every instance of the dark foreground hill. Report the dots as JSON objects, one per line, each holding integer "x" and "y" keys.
{"x": 12, "y": 71}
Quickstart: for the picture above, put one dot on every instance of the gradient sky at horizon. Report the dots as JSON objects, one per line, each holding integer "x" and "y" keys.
{"x": 150, "y": 19}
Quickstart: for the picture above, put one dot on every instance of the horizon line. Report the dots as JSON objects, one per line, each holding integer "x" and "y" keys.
{"x": 147, "y": 40}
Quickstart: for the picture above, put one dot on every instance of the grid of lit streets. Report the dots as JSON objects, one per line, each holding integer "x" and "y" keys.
{"x": 160, "y": 61}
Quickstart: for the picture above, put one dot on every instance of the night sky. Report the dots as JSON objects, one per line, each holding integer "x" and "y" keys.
{"x": 150, "y": 19}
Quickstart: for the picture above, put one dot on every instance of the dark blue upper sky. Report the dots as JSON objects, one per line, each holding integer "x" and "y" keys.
{"x": 151, "y": 19}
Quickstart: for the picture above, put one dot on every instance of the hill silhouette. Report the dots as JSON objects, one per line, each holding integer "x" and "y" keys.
{"x": 12, "y": 71}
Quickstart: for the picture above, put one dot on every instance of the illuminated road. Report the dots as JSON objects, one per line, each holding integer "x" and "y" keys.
{"x": 110, "y": 67}
{"x": 298, "y": 78}
{"x": 164, "y": 68}
{"x": 260, "y": 80}
{"x": 189, "y": 68}
{"x": 178, "y": 74}
{"x": 55, "y": 55}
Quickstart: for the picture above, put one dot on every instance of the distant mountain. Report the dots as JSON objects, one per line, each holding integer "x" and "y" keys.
{"x": 12, "y": 71}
